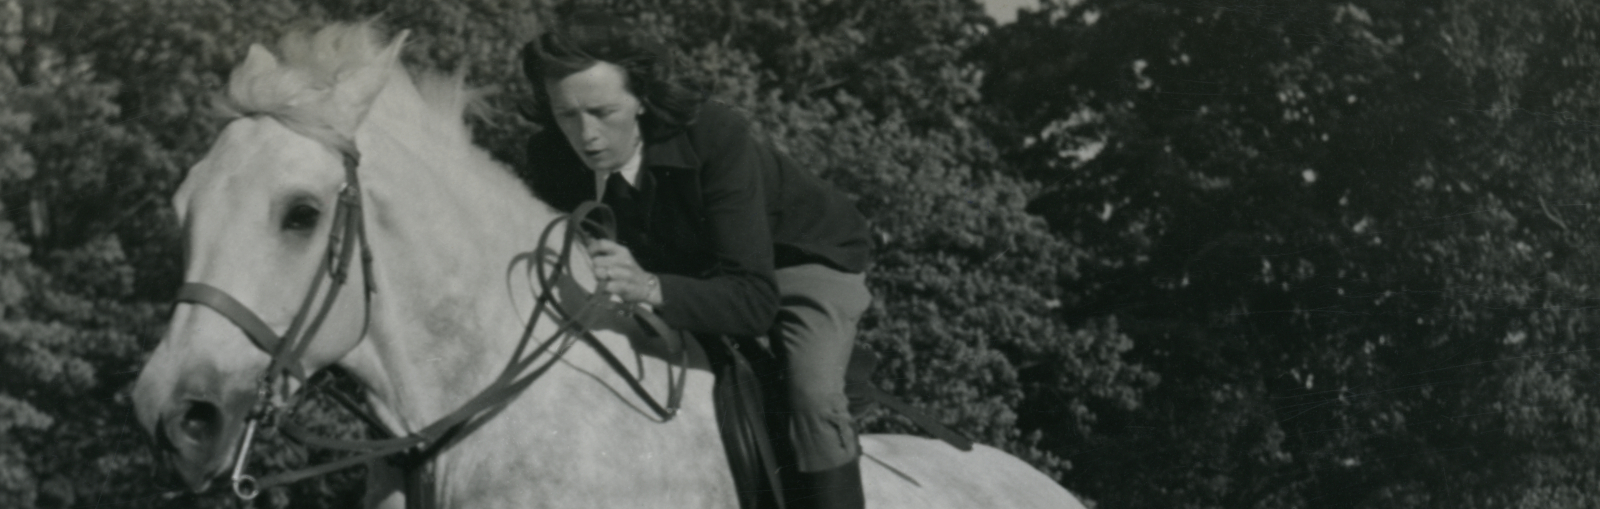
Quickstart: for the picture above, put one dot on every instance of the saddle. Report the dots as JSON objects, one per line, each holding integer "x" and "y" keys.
{"x": 746, "y": 386}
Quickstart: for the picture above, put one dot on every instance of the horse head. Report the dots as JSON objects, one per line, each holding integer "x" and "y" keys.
{"x": 258, "y": 213}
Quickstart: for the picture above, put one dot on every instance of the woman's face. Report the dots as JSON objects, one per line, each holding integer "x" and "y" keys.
{"x": 598, "y": 114}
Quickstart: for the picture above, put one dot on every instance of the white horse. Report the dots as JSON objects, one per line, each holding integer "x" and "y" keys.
{"x": 445, "y": 222}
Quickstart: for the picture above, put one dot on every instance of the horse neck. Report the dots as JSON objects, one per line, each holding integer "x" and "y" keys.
{"x": 444, "y": 221}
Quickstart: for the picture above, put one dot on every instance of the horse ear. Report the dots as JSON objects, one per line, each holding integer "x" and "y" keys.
{"x": 257, "y": 62}
{"x": 359, "y": 87}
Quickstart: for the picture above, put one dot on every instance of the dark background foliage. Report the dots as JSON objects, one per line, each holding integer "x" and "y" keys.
{"x": 1181, "y": 253}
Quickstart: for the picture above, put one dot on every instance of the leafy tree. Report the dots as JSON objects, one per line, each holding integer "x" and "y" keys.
{"x": 103, "y": 105}
{"x": 1337, "y": 230}
{"x": 65, "y": 338}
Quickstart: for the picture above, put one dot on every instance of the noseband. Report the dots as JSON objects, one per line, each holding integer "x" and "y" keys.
{"x": 347, "y": 235}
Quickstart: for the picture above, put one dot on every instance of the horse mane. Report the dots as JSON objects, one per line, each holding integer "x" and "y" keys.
{"x": 310, "y": 63}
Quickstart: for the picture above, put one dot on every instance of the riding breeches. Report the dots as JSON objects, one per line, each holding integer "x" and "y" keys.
{"x": 813, "y": 337}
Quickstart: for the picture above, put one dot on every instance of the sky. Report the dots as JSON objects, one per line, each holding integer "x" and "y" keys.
{"x": 1005, "y": 11}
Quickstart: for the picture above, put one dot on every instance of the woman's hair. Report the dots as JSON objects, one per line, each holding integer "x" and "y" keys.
{"x": 585, "y": 38}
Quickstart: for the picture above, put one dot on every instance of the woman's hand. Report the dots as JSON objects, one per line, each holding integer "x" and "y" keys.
{"x": 620, "y": 275}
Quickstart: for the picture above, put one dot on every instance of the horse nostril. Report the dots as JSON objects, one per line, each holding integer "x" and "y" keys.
{"x": 201, "y": 422}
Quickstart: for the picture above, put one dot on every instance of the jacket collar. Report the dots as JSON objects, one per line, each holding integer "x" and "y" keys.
{"x": 674, "y": 152}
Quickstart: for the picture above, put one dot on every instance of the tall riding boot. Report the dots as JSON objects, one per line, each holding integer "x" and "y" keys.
{"x": 858, "y": 379}
{"x": 835, "y": 488}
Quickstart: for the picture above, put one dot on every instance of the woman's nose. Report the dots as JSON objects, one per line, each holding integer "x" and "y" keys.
{"x": 591, "y": 130}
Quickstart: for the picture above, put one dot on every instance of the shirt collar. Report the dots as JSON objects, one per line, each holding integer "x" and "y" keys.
{"x": 630, "y": 169}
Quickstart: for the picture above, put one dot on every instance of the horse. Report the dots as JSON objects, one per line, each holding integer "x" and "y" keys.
{"x": 437, "y": 310}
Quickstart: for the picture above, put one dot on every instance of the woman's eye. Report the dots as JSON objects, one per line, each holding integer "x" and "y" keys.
{"x": 301, "y": 218}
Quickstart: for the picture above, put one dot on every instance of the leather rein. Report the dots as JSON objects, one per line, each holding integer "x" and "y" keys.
{"x": 415, "y": 450}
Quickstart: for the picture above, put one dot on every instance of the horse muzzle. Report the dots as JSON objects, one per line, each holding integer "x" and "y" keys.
{"x": 191, "y": 438}
{"x": 198, "y": 428}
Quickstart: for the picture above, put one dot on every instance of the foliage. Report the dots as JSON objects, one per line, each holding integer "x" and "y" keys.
{"x": 103, "y": 102}
{"x": 1344, "y": 233}
{"x": 1346, "y": 237}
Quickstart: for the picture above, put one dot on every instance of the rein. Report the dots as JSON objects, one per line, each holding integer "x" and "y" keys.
{"x": 347, "y": 235}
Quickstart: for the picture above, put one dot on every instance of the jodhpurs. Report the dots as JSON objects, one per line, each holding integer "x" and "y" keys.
{"x": 813, "y": 337}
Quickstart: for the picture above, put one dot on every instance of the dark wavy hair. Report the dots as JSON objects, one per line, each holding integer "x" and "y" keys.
{"x": 584, "y": 38}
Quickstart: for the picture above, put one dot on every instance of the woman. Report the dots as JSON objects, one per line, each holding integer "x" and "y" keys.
{"x": 720, "y": 232}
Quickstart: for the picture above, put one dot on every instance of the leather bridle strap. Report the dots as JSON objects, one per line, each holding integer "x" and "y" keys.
{"x": 346, "y": 233}
{"x": 346, "y": 236}
{"x": 519, "y": 373}
{"x": 603, "y": 223}
{"x": 219, "y": 301}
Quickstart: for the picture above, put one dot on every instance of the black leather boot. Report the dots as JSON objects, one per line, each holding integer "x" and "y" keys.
{"x": 836, "y": 488}
{"x": 858, "y": 380}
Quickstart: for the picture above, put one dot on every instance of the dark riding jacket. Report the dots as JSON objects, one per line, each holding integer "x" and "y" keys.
{"x": 715, "y": 210}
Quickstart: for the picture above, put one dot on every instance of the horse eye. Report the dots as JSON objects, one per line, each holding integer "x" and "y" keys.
{"x": 301, "y": 218}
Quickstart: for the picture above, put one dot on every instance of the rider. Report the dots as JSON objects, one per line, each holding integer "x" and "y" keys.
{"x": 720, "y": 232}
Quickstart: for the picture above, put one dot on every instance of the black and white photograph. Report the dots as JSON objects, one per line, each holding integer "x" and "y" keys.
{"x": 800, "y": 254}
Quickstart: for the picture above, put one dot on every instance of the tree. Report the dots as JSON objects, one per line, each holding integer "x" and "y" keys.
{"x": 1331, "y": 231}
{"x": 104, "y": 102}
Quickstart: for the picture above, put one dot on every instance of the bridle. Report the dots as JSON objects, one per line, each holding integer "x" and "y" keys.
{"x": 347, "y": 235}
